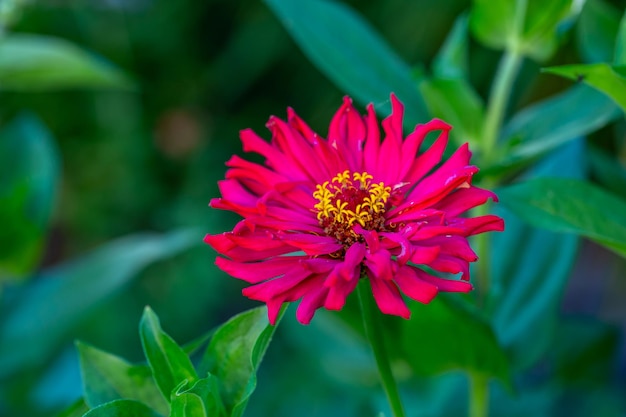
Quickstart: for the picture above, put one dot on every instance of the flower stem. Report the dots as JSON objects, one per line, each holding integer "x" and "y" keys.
{"x": 479, "y": 396}
{"x": 375, "y": 336}
{"x": 498, "y": 99}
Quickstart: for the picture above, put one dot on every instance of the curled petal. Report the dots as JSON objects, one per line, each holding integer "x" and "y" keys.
{"x": 388, "y": 298}
{"x": 447, "y": 285}
{"x": 410, "y": 284}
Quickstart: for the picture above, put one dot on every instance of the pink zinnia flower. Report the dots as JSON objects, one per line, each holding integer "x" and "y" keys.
{"x": 321, "y": 214}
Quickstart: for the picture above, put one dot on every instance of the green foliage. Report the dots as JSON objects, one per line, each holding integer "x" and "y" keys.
{"x": 122, "y": 408}
{"x": 230, "y": 362}
{"x": 611, "y": 80}
{"x": 43, "y": 63}
{"x": 44, "y": 313}
{"x": 571, "y": 206}
{"x": 448, "y": 334}
{"x": 524, "y": 318}
{"x": 596, "y": 31}
{"x": 234, "y": 355}
{"x": 530, "y": 27}
{"x": 30, "y": 159}
{"x": 347, "y": 50}
{"x": 548, "y": 124}
{"x": 169, "y": 363}
{"x": 151, "y": 161}
{"x": 107, "y": 377}
{"x": 455, "y": 101}
{"x": 452, "y": 60}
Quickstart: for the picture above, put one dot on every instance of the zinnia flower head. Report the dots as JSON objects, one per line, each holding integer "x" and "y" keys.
{"x": 321, "y": 214}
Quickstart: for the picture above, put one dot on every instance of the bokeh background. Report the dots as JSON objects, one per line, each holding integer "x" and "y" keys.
{"x": 147, "y": 158}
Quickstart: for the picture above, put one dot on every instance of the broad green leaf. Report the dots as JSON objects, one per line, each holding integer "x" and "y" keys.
{"x": 452, "y": 59}
{"x": 107, "y": 377}
{"x": 609, "y": 171}
{"x": 29, "y": 172}
{"x": 529, "y": 269}
{"x": 348, "y": 51}
{"x": 529, "y": 27}
{"x": 201, "y": 399}
{"x": 41, "y": 63}
{"x": 456, "y": 102}
{"x": 570, "y": 206}
{"x": 448, "y": 334}
{"x": 546, "y": 125}
{"x": 234, "y": 355}
{"x": 611, "y": 80}
{"x": 619, "y": 58}
{"x": 596, "y": 31}
{"x": 46, "y": 310}
{"x": 122, "y": 408}
{"x": 77, "y": 409}
{"x": 169, "y": 363}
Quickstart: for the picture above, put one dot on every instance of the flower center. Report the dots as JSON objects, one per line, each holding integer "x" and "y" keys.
{"x": 350, "y": 199}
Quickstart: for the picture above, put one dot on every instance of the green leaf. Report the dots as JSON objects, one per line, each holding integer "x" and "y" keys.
{"x": 45, "y": 311}
{"x": 107, "y": 377}
{"x": 607, "y": 170}
{"x": 201, "y": 399}
{"x": 77, "y": 409}
{"x": 570, "y": 206}
{"x": 29, "y": 161}
{"x": 529, "y": 269}
{"x": 448, "y": 334}
{"x": 596, "y": 31}
{"x": 452, "y": 59}
{"x": 611, "y": 80}
{"x": 169, "y": 363}
{"x": 234, "y": 355}
{"x": 546, "y": 125}
{"x": 531, "y": 27}
{"x": 456, "y": 102}
{"x": 42, "y": 63}
{"x": 619, "y": 57}
{"x": 348, "y": 51}
{"x": 122, "y": 408}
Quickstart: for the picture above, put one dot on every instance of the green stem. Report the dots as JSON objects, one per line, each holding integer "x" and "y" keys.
{"x": 498, "y": 99}
{"x": 375, "y": 335}
{"x": 479, "y": 396}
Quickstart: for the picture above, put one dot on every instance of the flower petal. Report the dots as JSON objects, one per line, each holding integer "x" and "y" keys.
{"x": 411, "y": 285}
{"x": 388, "y": 298}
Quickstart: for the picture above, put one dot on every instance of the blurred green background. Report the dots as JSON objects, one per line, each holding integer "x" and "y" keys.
{"x": 148, "y": 157}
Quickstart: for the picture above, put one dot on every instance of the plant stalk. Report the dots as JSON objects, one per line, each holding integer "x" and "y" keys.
{"x": 498, "y": 99}
{"x": 374, "y": 332}
{"x": 479, "y": 396}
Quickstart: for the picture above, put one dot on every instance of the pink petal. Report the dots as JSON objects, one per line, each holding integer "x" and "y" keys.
{"x": 427, "y": 160}
{"x": 411, "y": 145}
{"x": 312, "y": 245}
{"x": 292, "y": 144}
{"x": 465, "y": 199}
{"x": 424, "y": 255}
{"x": 447, "y": 285}
{"x": 372, "y": 143}
{"x": 389, "y": 157}
{"x": 256, "y": 272}
{"x": 380, "y": 264}
{"x": 300, "y": 125}
{"x": 406, "y": 249}
{"x": 310, "y": 303}
{"x": 388, "y": 298}
{"x": 410, "y": 284}
{"x": 481, "y": 224}
{"x": 347, "y": 133}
